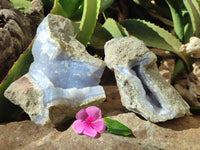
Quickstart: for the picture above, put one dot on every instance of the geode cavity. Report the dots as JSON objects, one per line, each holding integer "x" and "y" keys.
{"x": 143, "y": 90}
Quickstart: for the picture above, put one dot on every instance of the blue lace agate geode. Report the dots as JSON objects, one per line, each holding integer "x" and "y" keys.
{"x": 142, "y": 88}
{"x": 63, "y": 77}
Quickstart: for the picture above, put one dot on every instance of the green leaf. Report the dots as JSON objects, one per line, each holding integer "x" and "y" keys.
{"x": 155, "y": 36}
{"x": 9, "y": 111}
{"x": 188, "y": 29}
{"x": 178, "y": 20}
{"x": 195, "y": 110}
{"x": 76, "y": 25}
{"x": 194, "y": 12}
{"x": 58, "y": 9}
{"x": 65, "y": 8}
{"x": 166, "y": 21}
{"x": 88, "y": 21}
{"x": 160, "y": 8}
{"x": 22, "y": 5}
{"x": 179, "y": 66}
{"x": 99, "y": 37}
{"x": 114, "y": 28}
{"x": 115, "y": 127}
{"x": 78, "y": 13}
{"x": 105, "y": 4}
{"x": 198, "y": 1}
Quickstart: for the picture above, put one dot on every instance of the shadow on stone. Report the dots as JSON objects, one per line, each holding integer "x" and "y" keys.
{"x": 108, "y": 77}
{"x": 139, "y": 116}
{"x": 183, "y": 123}
{"x": 65, "y": 126}
{"x": 23, "y": 116}
{"x": 112, "y": 105}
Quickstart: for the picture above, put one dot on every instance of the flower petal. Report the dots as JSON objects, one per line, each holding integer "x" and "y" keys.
{"x": 93, "y": 112}
{"x": 79, "y": 126}
{"x": 81, "y": 115}
{"x": 99, "y": 125}
{"x": 89, "y": 131}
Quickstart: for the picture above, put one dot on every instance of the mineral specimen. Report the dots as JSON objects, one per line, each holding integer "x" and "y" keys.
{"x": 189, "y": 87}
{"x": 192, "y": 47}
{"x": 63, "y": 77}
{"x": 143, "y": 90}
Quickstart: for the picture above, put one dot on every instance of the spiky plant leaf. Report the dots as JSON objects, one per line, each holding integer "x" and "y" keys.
{"x": 179, "y": 66}
{"x": 194, "y": 12}
{"x": 198, "y": 1}
{"x": 160, "y": 7}
{"x": 102, "y": 33}
{"x": 178, "y": 20}
{"x": 155, "y": 36}
{"x": 164, "y": 20}
{"x": 114, "y": 28}
{"x": 188, "y": 28}
{"x": 88, "y": 21}
{"x": 99, "y": 37}
{"x": 65, "y": 8}
{"x": 105, "y": 4}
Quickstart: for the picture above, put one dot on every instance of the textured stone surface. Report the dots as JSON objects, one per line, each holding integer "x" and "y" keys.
{"x": 188, "y": 95}
{"x": 63, "y": 78}
{"x": 17, "y": 134}
{"x": 181, "y": 133}
{"x": 166, "y": 68}
{"x": 165, "y": 62}
{"x": 189, "y": 86}
{"x": 192, "y": 47}
{"x": 142, "y": 88}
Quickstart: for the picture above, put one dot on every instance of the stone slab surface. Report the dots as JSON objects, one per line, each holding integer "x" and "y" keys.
{"x": 182, "y": 133}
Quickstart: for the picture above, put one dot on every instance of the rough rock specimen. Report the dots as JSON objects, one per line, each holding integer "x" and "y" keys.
{"x": 192, "y": 47}
{"x": 142, "y": 89}
{"x": 189, "y": 87}
{"x": 193, "y": 85}
{"x": 166, "y": 63}
{"x": 63, "y": 77}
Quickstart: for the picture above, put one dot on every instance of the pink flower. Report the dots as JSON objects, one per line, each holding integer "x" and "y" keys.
{"x": 89, "y": 122}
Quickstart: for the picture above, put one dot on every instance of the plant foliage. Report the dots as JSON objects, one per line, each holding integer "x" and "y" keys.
{"x": 22, "y": 5}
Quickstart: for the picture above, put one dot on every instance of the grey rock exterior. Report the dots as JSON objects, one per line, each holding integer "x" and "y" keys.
{"x": 143, "y": 90}
{"x": 63, "y": 78}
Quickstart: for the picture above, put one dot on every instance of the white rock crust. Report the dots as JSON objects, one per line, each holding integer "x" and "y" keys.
{"x": 142, "y": 89}
{"x": 193, "y": 47}
{"x": 63, "y": 78}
